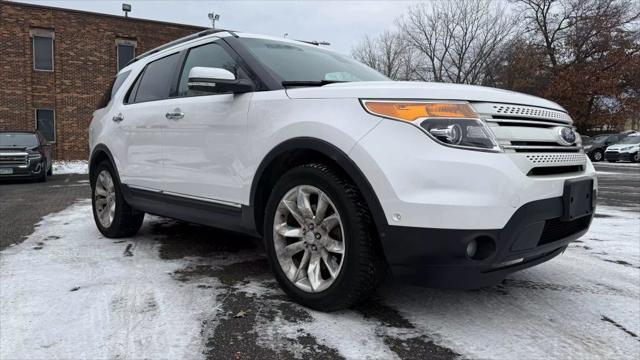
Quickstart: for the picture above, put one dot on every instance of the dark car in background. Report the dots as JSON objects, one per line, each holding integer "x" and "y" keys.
{"x": 24, "y": 155}
{"x": 596, "y": 146}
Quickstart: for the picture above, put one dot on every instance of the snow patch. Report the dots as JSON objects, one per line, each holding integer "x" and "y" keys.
{"x": 81, "y": 297}
{"x": 70, "y": 167}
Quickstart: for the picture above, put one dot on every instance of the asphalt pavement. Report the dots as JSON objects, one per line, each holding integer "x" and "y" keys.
{"x": 24, "y": 202}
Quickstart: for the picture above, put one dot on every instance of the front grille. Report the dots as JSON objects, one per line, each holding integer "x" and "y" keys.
{"x": 555, "y": 230}
{"x": 554, "y": 170}
{"x": 557, "y": 159}
{"x": 526, "y": 129}
{"x": 612, "y": 155}
{"x": 530, "y": 112}
{"x": 13, "y": 158}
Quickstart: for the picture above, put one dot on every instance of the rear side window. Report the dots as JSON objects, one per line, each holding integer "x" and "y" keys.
{"x": 156, "y": 80}
{"x": 210, "y": 55}
{"x": 113, "y": 89}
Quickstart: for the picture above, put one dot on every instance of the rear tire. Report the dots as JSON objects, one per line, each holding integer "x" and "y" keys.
{"x": 354, "y": 267}
{"x": 111, "y": 213}
{"x": 50, "y": 171}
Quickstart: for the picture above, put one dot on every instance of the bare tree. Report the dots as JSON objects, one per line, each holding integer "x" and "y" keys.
{"x": 456, "y": 39}
{"x": 387, "y": 53}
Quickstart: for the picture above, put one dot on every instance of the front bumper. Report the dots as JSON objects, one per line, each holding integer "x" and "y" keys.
{"x": 32, "y": 169}
{"x": 618, "y": 156}
{"x": 436, "y": 199}
{"x": 438, "y": 257}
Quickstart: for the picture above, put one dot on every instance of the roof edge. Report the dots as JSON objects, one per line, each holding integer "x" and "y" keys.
{"x": 55, "y": 8}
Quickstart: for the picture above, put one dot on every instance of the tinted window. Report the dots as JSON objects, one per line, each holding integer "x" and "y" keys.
{"x": 18, "y": 139}
{"x": 112, "y": 89}
{"x": 125, "y": 54}
{"x": 46, "y": 124}
{"x": 210, "y": 55}
{"x": 42, "y": 53}
{"x": 156, "y": 80}
{"x": 631, "y": 139}
{"x": 293, "y": 62}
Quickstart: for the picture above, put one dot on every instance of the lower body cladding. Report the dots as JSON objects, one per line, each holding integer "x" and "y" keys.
{"x": 468, "y": 259}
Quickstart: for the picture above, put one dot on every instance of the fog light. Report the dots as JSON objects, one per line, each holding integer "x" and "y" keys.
{"x": 472, "y": 248}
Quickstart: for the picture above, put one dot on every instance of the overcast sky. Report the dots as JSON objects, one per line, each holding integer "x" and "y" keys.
{"x": 342, "y": 23}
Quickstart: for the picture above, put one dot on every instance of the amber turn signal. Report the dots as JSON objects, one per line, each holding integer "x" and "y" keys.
{"x": 411, "y": 111}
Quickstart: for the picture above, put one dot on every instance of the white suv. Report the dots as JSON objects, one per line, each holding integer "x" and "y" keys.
{"x": 345, "y": 174}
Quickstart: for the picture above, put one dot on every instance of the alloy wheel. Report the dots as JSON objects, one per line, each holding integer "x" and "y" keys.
{"x": 309, "y": 238}
{"x": 105, "y": 198}
{"x": 597, "y": 156}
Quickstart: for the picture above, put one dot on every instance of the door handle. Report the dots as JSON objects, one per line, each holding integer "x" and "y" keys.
{"x": 176, "y": 114}
{"x": 118, "y": 118}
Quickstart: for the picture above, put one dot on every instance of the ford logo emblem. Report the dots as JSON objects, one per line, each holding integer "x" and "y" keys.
{"x": 565, "y": 136}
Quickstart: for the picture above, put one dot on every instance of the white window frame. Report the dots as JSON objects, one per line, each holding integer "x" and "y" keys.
{"x": 124, "y": 42}
{"x": 55, "y": 128}
{"x": 42, "y": 33}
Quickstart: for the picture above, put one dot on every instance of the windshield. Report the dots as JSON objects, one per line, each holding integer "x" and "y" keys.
{"x": 634, "y": 139}
{"x": 293, "y": 62}
{"x": 18, "y": 139}
{"x": 600, "y": 138}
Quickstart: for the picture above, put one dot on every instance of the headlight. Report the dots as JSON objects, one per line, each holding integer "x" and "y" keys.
{"x": 587, "y": 147}
{"x": 626, "y": 148}
{"x": 35, "y": 156}
{"x": 449, "y": 123}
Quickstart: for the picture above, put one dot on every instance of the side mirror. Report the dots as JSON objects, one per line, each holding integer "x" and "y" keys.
{"x": 208, "y": 79}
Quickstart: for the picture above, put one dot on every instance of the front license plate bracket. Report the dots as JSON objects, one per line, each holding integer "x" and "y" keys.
{"x": 577, "y": 199}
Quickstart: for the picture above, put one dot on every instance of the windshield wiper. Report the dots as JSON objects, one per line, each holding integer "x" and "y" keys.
{"x": 310, "y": 82}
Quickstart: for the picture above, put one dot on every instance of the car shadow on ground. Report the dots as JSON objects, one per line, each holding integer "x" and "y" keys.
{"x": 237, "y": 261}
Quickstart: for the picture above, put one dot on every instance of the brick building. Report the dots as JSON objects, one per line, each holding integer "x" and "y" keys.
{"x": 55, "y": 65}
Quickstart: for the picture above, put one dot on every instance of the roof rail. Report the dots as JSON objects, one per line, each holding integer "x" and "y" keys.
{"x": 180, "y": 41}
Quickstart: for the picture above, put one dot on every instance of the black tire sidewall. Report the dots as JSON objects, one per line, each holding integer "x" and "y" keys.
{"x": 350, "y": 218}
{"x": 113, "y": 230}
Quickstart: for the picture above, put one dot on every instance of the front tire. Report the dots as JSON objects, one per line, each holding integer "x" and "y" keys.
{"x": 636, "y": 157}
{"x": 320, "y": 239}
{"x": 113, "y": 216}
{"x": 597, "y": 155}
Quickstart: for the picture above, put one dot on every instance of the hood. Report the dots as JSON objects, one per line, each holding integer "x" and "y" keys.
{"x": 418, "y": 90}
{"x": 618, "y": 147}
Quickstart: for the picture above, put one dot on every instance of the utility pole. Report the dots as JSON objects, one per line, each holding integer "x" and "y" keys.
{"x": 214, "y": 17}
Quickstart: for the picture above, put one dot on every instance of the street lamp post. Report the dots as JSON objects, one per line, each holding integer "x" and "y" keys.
{"x": 214, "y": 17}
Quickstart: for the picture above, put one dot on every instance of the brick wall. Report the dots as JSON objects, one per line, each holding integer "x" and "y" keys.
{"x": 85, "y": 62}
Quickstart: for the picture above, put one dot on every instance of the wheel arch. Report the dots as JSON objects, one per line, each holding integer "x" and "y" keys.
{"x": 305, "y": 150}
{"x": 100, "y": 153}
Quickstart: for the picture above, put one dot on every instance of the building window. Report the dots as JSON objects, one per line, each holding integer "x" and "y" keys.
{"x": 42, "y": 49}
{"x": 46, "y": 124}
{"x": 126, "y": 52}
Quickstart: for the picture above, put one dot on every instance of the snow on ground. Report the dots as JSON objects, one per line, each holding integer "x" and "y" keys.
{"x": 67, "y": 292}
{"x": 582, "y": 304}
{"x": 70, "y": 167}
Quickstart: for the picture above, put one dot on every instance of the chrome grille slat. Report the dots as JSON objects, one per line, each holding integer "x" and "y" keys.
{"x": 500, "y": 121}
{"x": 14, "y": 158}
{"x": 521, "y": 128}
